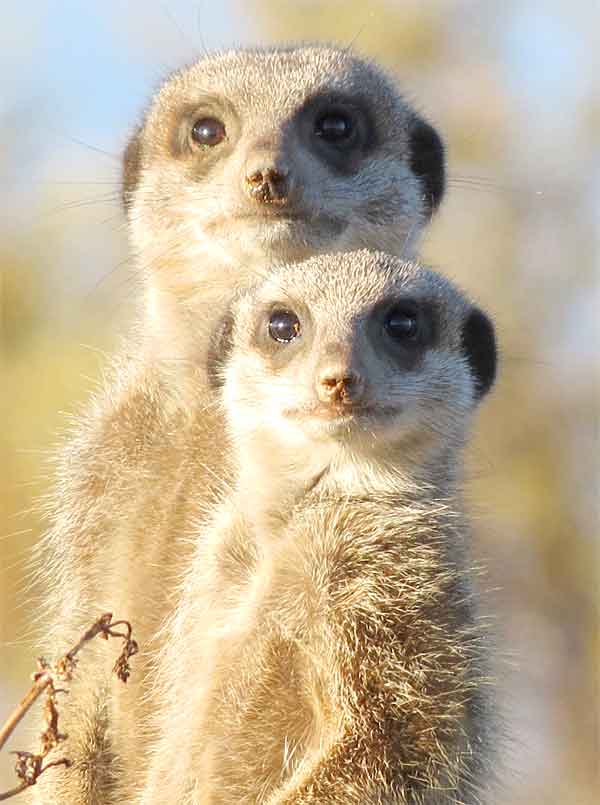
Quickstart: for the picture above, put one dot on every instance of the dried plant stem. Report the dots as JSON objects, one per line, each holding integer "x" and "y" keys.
{"x": 38, "y": 687}
{"x": 14, "y": 791}
{"x": 29, "y": 766}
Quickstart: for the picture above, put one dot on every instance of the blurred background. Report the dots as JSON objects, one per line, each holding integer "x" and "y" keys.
{"x": 515, "y": 89}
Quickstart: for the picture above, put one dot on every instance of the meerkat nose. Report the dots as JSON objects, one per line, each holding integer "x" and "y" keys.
{"x": 339, "y": 384}
{"x": 266, "y": 179}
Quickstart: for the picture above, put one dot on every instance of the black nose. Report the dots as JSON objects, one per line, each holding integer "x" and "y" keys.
{"x": 267, "y": 183}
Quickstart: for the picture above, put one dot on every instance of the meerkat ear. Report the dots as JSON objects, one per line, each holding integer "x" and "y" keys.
{"x": 132, "y": 163}
{"x": 479, "y": 346}
{"x": 218, "y": 351}
{"x": 428, "y": 162}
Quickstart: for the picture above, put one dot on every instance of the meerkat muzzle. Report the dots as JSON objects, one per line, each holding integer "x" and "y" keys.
{"x": 340, "y": 387}
{"x": 268, "y": 184}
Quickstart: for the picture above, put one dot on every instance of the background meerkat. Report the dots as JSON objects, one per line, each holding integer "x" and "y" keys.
{"x": 244, "y": 159}
{"x": 252, "y": 156}
{"x": 327, "y": 647}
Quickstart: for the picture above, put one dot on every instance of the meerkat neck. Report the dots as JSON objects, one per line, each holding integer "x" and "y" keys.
{"x": 178, "y": 320}
{"x": 180, "y": 313}
{"x": 281, "y": 479}
{"x": 359, "y": 476}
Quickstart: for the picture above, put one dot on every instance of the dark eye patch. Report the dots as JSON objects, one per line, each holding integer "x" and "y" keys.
{"x": 339, "y": 129}
{"x": 403, "y": 329}
{"x": 402, "y": 322}
{"x": 336, "y": 127}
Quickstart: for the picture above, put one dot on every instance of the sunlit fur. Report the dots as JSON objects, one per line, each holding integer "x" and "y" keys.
{"x": 328, "y": 645}
{"x": 145, "y": 458}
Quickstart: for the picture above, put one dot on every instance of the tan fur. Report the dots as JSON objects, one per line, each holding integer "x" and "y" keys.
{"x": 328, "y": 645}
{"x": 129, "y": 485}
{"x": 144, "y": 460}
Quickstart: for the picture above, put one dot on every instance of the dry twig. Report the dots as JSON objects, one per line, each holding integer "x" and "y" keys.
{"x": 29, "y": 766}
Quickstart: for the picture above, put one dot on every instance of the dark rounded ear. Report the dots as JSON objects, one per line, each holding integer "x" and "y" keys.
{"x": 218, "y": 351}
{"x": 479, "y": 346}
{"x": 427, "y": 162}
{"x": 132, "y": 164}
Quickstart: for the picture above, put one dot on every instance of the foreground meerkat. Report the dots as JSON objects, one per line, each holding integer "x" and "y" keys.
{"x": 327, "y": 646}
{"x": 244, "y": 159}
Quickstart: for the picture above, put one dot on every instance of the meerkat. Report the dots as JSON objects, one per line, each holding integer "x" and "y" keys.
{"x": 245, "y": 159}
{"x": 259, "y": 156}
{"x": 326, "y": 647}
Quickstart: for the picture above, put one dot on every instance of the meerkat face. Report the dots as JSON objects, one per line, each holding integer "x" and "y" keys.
{"x": 374, "y": 354}
{"x": 277, "y": 155}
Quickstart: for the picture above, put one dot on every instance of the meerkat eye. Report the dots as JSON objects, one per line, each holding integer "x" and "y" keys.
{"x": 284, "y": 326}
{"x": 335, "y": 127}
{"x": 208, "y": 131}
{"x": 402, "y": 323}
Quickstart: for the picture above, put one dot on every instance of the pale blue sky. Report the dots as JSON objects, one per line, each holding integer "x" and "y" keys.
{"x": 86, "y": 68}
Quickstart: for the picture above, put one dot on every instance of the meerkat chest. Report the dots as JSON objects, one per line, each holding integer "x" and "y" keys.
{"x": 267, "y": 694}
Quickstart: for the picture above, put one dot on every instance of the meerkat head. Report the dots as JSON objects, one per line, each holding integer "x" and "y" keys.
{"x": 254, "y": 156}
{"x": 356, "y": 352}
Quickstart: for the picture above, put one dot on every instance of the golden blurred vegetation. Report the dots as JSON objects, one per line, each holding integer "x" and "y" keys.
{"x": 516, "y": 231}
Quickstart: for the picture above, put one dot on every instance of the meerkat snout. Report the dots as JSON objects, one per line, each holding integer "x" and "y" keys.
{"x": 338, "y": 384}
{"x": 267, "y": 179}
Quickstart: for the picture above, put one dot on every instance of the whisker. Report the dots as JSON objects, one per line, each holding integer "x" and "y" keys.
{"x": 199, "y": 15}
{"x": 88, "y": 146}
{"x": 185, "y": 38}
